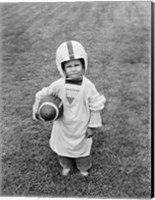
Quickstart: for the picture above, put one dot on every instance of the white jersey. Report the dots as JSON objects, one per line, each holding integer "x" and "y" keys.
{"x": 68, "y": 132}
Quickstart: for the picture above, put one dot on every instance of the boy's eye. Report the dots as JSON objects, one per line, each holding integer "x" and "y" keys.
{"x": 68, "y": 66}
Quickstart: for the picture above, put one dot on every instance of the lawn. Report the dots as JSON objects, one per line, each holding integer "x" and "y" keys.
{"x": 116, "y": 36}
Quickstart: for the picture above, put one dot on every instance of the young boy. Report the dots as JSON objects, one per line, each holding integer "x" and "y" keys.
{"x": 71, "y": 136}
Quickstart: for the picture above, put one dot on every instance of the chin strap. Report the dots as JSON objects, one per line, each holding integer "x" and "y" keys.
{"x": 77, "y": 81}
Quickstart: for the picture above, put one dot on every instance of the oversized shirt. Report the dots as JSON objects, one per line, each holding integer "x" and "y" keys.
{"x": 68, "y": 132}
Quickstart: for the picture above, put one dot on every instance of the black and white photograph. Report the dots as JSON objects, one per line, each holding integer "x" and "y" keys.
{"x": 76, "y": 99}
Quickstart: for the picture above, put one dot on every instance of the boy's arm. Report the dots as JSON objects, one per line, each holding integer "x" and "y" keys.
{"x": 94, "y": 123}
{"x": 95, "y": 119}
{"x": 96, "y": 103}
{"x": 41, "y": 94}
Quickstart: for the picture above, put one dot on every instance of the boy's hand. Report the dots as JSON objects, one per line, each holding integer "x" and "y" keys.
{"x": 90, "y": 132}
{"x": 36, "y": 116}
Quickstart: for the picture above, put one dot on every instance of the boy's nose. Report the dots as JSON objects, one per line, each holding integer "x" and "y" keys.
{"x": 73, "y": 68}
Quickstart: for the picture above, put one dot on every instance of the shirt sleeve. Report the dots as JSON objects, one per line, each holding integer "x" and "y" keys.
{"x": 96, "y": 101}
{"x": 95, "y": 119}
{"x": 96, "y": 104}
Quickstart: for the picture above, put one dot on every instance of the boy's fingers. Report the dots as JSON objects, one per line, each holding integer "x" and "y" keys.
{"x": 88, "y": 134}
{"x": 37, "y": 116}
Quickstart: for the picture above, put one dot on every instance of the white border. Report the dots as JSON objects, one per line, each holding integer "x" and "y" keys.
{"x": 50, "y": 104}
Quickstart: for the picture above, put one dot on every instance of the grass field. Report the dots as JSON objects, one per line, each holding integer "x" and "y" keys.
{"x": 116, "y": 36}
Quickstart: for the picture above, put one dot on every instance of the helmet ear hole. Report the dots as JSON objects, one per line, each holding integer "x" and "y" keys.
{"x": 83, "y": 63}
{"x": 63, "y": 66}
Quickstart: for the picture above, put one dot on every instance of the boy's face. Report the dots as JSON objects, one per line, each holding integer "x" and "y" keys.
{"x": 73, "y": 69}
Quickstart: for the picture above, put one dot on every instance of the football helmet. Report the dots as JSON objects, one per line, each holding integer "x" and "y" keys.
{"x": 70, "y": 50}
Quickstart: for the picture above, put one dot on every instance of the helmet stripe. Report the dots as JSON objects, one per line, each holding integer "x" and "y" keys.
{"x": 70, "y": 50}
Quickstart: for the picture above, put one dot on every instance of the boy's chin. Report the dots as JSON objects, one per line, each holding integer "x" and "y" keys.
{"x": 75, "y": 77}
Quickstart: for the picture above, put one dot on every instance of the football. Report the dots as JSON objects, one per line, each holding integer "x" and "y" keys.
{"x": 50, "y": 108}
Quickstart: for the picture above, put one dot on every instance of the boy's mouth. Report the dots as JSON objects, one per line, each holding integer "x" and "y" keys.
{"x": 75, "y": 74}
